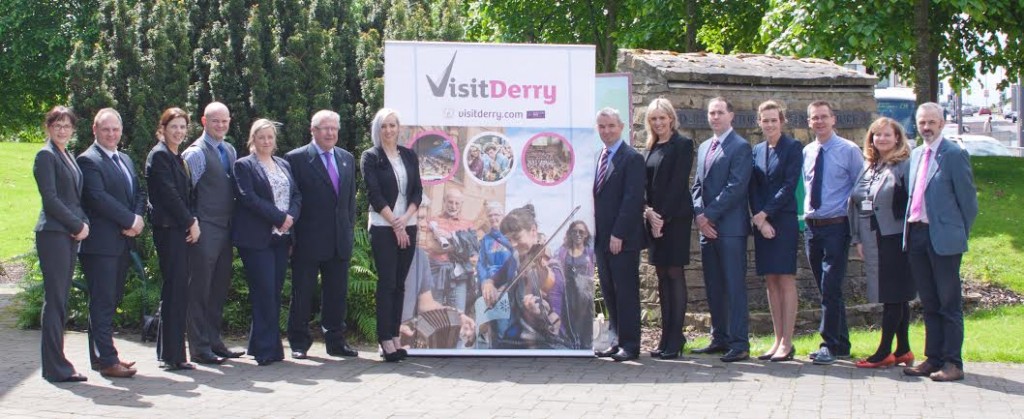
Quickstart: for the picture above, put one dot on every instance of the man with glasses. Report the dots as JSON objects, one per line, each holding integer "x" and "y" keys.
{"x": 211, "y": 159}
{"x": 325, "y": 175}
{"x": 832, "y": 165}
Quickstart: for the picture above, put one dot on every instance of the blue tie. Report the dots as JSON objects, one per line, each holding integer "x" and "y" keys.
{"x": 819, "y": 178}
{"x": 224, "y": 158}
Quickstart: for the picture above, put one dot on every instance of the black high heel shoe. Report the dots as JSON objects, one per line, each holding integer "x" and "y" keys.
{"x": 788, "y": 357}
{"x": 389, "y": 356}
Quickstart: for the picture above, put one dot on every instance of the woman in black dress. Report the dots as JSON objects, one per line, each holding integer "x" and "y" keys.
{"x": 60, "y": 230}
{"x": 880, "y": 197}
{"x": 669, "y": 215}
{"x": 175, "y": 227}
{"x": 773, "y": 182}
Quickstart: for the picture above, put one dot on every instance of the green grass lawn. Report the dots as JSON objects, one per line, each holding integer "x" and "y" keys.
{"x": 989, "y": 336}
{"x": 19, "y": 199}
{"x": 997, "y": 239}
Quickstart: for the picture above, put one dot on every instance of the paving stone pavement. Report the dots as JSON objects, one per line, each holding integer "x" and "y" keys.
{"x": 324, "y": 386}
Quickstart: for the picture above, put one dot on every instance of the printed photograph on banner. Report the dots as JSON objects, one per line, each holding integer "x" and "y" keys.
{"x": 437, "y": 154}
{"x": 493, "y": 160}
{"x": 491, "y": 272}
{"x": 547, "y": 159}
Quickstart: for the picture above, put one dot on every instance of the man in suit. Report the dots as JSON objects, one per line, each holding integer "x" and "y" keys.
{"x": 210, "y": 159}
{"x": 720, "y": 208}
{"x": 941, "y": 210}
{"x": 325, "y": 175}
{"x": 832, "y": 165}
{"x": 114, "y": 201}
{"x": 619, "y": 235}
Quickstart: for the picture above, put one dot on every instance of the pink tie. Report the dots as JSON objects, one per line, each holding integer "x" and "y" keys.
{"x": 919, "y": 186}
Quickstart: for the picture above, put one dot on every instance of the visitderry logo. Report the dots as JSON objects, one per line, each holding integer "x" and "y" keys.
{"x": 448, "y": 85}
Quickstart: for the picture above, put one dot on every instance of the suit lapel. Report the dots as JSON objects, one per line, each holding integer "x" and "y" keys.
{"x": 112, "y": 169}
{"x": 317, "y": 162}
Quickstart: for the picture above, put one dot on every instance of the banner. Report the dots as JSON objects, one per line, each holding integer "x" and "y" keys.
{"x": 504, "y": 133}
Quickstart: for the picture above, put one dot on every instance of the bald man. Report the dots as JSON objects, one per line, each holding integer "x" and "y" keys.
{"x": 210, "y": 159}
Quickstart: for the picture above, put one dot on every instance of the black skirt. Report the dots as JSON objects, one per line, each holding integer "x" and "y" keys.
{"x": 895, "y": 283}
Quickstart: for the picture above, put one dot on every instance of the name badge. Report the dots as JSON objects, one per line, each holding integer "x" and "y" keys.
{"x": 867, "y": 205}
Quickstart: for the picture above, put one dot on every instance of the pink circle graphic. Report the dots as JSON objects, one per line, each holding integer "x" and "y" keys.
{"x": 438, "y": 156}
{"x": 548, "y": 159}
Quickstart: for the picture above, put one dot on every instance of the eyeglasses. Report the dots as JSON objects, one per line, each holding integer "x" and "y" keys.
{"x": 329, "y": 129}
{"x": 61, "y": 127}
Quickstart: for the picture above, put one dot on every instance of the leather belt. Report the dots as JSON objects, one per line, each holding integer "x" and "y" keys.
{"x": 918, "y": 225}
{"x": 821, "y": 222}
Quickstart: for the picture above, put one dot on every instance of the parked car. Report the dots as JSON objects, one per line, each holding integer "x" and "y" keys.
{"x": 981, "y": 145}
{"x": 985, "y": 111}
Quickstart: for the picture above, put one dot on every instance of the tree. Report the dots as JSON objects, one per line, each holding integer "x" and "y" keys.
{"x": 923, "y": 40}
{"x": 36, "y": 39}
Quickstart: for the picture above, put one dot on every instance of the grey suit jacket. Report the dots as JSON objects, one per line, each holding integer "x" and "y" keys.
{"x": 60, "y": 186}
{"x": 720, "y": 190}
{"x": 951, "y": 199}
{"x": 890, "y": 200}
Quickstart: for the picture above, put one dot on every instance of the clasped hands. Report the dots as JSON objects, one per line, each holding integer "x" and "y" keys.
{"x": 136, "y": 227}
{"x": 760, "y": 220}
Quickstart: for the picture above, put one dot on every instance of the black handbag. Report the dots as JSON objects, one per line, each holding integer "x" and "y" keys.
{"x": 150, "y": 323}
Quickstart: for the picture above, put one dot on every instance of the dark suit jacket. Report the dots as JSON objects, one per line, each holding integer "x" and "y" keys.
{"x": 109, "y": 201}
{"x": 325, "y": 226}
{"x": 256, "y": 215}
{"x": 774, "y": 191}
{"x": 666, "y": 188}
{"x": 60, "y": 186}
{"x": 381, "y": 184}
{"x": 619, "y": 204}
{"x": 951, "y": 200}
{"x": 172, "y": 204}
{"x": 720, "y": 191}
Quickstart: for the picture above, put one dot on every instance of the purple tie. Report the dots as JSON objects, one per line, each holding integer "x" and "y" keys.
{"x": 602, "y": 169}
{"x": 919, "y": 186}
{"x": 711, "y": 153}
{"x": 332, "y": 170}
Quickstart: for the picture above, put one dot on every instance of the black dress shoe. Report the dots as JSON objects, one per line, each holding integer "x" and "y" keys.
{"x": 624, "y": 355}
{"x": 713, "y": 348}
{"x": 656, "y": 353}
{"x": 299, "y": 355}
{"x": 343, "y": 350}
{"x": 607, "y": 353}
{"x": 210, "y": 359}
{"x": 264, "y": 362}
{"x": 402, "y": 352}
{"x": 227, "y": 353}
{"x": 177, "y": 366}
{"x": 669, "y": 355}
{"x": 734, "y": 355}
{"x": 73, "y": 378}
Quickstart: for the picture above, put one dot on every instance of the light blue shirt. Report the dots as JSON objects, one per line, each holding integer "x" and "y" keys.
{"x": 195, "y": 159}
{"x": 844, "y": 161}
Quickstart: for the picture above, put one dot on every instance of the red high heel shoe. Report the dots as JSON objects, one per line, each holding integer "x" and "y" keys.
{"x": 906, "y": 359}
{"x": 886, "y": 362}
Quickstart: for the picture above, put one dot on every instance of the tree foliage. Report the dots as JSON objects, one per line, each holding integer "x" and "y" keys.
{"x": 918, "y": 39}
{"x": 36, "y": 39}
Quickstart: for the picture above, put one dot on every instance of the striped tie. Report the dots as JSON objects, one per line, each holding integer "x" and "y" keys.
{"x": 711, "y": 154}
{"x": 602, "y": 169}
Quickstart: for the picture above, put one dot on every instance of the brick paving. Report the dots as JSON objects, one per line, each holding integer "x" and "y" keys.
{"x": 324, "y": 386}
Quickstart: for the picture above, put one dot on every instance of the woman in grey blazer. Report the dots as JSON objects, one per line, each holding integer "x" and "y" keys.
{"x": 877, "y": 210}
{"x": 61, "y": 228}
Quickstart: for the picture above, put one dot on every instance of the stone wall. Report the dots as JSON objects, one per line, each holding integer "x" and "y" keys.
{"x": 689, "y": 81}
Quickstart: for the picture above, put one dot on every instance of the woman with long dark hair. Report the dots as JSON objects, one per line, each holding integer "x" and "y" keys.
{"x": 175, "y": 228}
